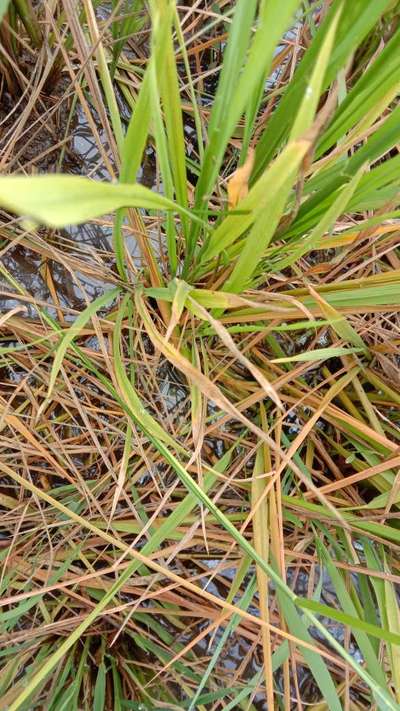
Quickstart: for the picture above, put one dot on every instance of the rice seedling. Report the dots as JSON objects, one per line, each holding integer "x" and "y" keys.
{"x": 200, "y": 289}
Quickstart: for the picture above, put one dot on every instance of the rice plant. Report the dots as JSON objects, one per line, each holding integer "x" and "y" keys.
{"x": 200, "y": 390}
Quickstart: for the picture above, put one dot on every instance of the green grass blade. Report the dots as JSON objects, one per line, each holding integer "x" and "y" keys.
{"x": 357, "y": 18}
{"x": 132, "y": 153}
{"x": 74, "y": 331}
{"x": 168, "y": 82}
{"x": 3, "y": 8}
{"x": 261, "y": 234}
{"x": 379, "y": 81}
{"x": 127, "y": 391}
{"x": 99, "y": 699}
{"x": 393, "y": 623}
{"x": 318, "y": 354}
{"x": 229, "y": 629}
{"x": 72, "y": 199}
{"x": 260, "y": 200}
{"x": 325, "y": 224}
{"x": 125, "y": 28}
{"x": 357, "y": 626}
{"x": 315, "y": 662}
{"x": 234, "y": 94}
{"x": 105, "y": 77}
{"x": 309, "y": 104}
{"x": 234, "y": 56}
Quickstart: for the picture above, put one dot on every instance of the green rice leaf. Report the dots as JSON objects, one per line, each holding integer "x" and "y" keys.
{"x": 100, "y": 689}
{"x": 3, "y": 8}
{"x": 318, "y": 354}
{"x": 60, "y": 200}
{"x": 74, "y": 331}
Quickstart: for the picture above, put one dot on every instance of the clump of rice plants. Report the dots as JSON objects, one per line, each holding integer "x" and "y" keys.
{"x": 200, "y": 296}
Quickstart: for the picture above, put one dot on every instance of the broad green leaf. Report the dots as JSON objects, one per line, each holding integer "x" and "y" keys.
{"x": 376, "y": 188}
{"x": 131, "y": 158}
{"x": 168, "y": 81}
{"x": 136, "y": 134}
{"x": 170, "y": 150}
{"x": 59, "y": 200}
{"x": 117, "y": 686}
{"x": 353, "y": 297}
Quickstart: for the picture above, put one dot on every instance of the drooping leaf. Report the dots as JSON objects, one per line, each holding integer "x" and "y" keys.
{"x": 60, "y": 200}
